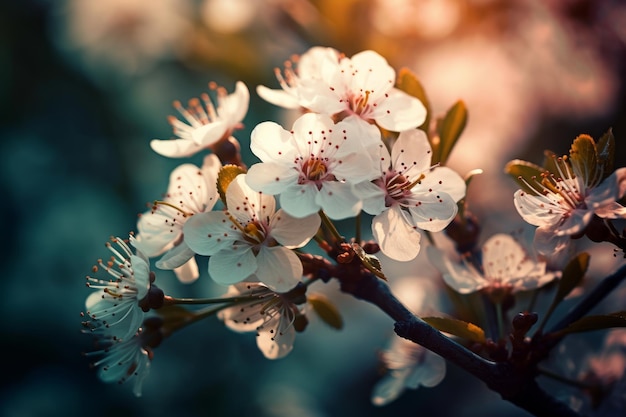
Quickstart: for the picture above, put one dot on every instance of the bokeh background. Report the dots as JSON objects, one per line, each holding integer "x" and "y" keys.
{"x": 86, "y": 84}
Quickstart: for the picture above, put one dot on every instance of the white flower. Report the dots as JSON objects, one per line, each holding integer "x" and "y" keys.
{"x": 309, "y": 67}
{"x": 191, "y": 190}
{"x": 409, "y": 194}
{"x": 314, "y": 166}
{"x": 409, "y": 366}
{"x": 505, "y": 265}
{"x": 123, "y": 359}
{"x": 114, "y": 308}
{"x": 270, "y": 314}
{"x": 251, "y": 238}
{"x": 205, "y": 126}
{"x": 563, "y": 206}
{"x": 359, "y": 88}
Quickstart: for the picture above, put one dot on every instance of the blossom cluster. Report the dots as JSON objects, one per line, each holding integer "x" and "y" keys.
{"x": 357, "y": 150}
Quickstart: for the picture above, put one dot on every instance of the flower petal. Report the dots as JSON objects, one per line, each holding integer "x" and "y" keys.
{"x": 270, "y": 177}
{"x": 233, "y": 265}
{"x": 278, "y": 268}
{"x": 445, "y": 180}
{"x": 459, "y": 277}
{"x": 271, "y": 143}
{"x": 300, "y": 200}
{"x": 291, "y": 231}
{"x": 338, "y": 200}
{"x": 399, "y": 112}
{"x": 397, "y": 239}
{"x": 208, "y": 233}
{"x": 432, "y": 211}
{"x": 175, "y": 148}
{"x": 278, "y": 97}
{"x": 275, "y": 337}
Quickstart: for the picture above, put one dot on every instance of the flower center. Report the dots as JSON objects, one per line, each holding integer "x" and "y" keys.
{"x": 254, "y": 232}
{"x": 359, "y": 103}
{"x": 314, "y": 169}
{"x": 397, "y": 187}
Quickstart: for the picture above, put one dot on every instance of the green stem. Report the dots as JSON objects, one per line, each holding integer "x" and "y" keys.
{"x": 357, "y": 225}
{"x": 172, "y": 301}
{"x": 330, "y": 227}
{"x": 500, "y": 319}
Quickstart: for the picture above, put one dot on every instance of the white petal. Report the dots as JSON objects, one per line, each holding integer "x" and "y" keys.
{"x": 372, "y": 196}
{"x": 338, "y": 200}
{"x": 612, "y": 210}
{"x": 152, "y": 237}
{"x": 246, "y": 204}
{"x": 411, "y": 154}
{"x": 175, "y": 148}
{"x": 188, "y": 272}
{"x": 445, "y": 180}
{"x": 175, "y": 257}
{"x": 458, "y": 276}
{"x": 396, "y": 238}
{"x": 271, "y": 143}
{"x": 278, "y": 268}
{"x": 275, "y": 338}
{"x": 435, "y": 369}
{"x": 231, "y": 266}
{"x": 372, "y": 73}
{"x": 291, "y": 231}
{"x": 609, "y": 190}
{"x": 207, "y": 135}
{"x": 390, "y": 387}
{"x": 189, "y": 190}
{"x": 432, "y": 211}
{"x": 548, "y": 243}
{"x": 208, "y": 233}
{"x": 300, "y": 200}
{"x": 233, "y": 107}
{"x": 538, "y": 210}
{"x": 278, "y": 97}
{"x": 399, "y": 112}
{"x": 271, "y": 178}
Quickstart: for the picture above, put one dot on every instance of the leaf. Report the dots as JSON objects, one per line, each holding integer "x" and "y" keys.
{"x": 326, "y": 310}
{"x": 225, "y": 177}
{"x": 369, "y": 261}
{"x": 599, "y": 322}
{"x": 457, "y": 327}
{"x": 573, "y": 273}
{"x": 408, "y": 82}
{"x": 450, "y": 129}
{"x": 524, "y": 172}
{"x": 606, "y": 153}
{"x": 584, "y": 157}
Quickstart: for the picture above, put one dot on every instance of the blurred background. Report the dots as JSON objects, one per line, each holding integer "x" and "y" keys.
{"x": 85, "y": 86}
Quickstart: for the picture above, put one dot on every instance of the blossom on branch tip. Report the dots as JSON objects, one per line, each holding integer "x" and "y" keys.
{"x": 409, "y": 194}
{"x": 360, "y": 88}
{"x": 505, "y": 267}
{"x": 272, "y": 315}
{"x": 562, "y": 205}
{"x": 191, "y": 190}
{"x": 315, "y": 165}
{"x": 114, "y": 308}
{"x": 251, "y": 237}
{"x": 207, "y": 125}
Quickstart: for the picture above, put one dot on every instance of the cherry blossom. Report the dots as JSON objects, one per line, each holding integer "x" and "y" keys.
{"x": 114, "y": 308}
{"x": 251, "y": 237}
{"x": 122, "y": 359}
{"x": 272, "y": 315}
{"x": 357, "y": 88}
{"x": 191, "y": 190}
{"x": 206, "y": 125}
{"x": 315, "y": 165}
{"x": 308, "y": 67}
{"x": 505, "y": 266}
{"x": 562, "y": 206}
{"x": 408, "y": 365}
{"x": 409, "y": 194}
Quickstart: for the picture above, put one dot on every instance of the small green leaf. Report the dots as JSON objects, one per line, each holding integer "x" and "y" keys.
{"x": 584, "y": 157}
{"x": 326, "y": 310}
{"x": 572, "y": 276}
{"x": 606, "y": 153}
{"x": 226, "y": 175}
{"x": 457, "y": 327}
{"x": 524, "y": 172}
{"x": 450, "y": 129}
{"x": 408, "y": 82}
{"x": 599, "y": 322}
{"x": 369, "y": 261}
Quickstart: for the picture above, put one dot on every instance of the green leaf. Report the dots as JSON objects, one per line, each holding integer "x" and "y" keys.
{"x": 584, "y": 157}
{"x": 599, "y": 322}
{"x": 457, "y": 327}
{"x": 606, "y": 153}
{"x": 369, "y": 261}
{"x": 326, "y": 310}
{"x": 572, "y": 276}
{"x": 226, "y": 175}
{"x": 450, "y": 129}
{"x": 408, "y": 82}
{"x": 522, "y": 172}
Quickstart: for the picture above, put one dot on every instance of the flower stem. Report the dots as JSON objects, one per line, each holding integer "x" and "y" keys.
{"x": 172, "y": 300}
{"x": 330, "y": 227}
